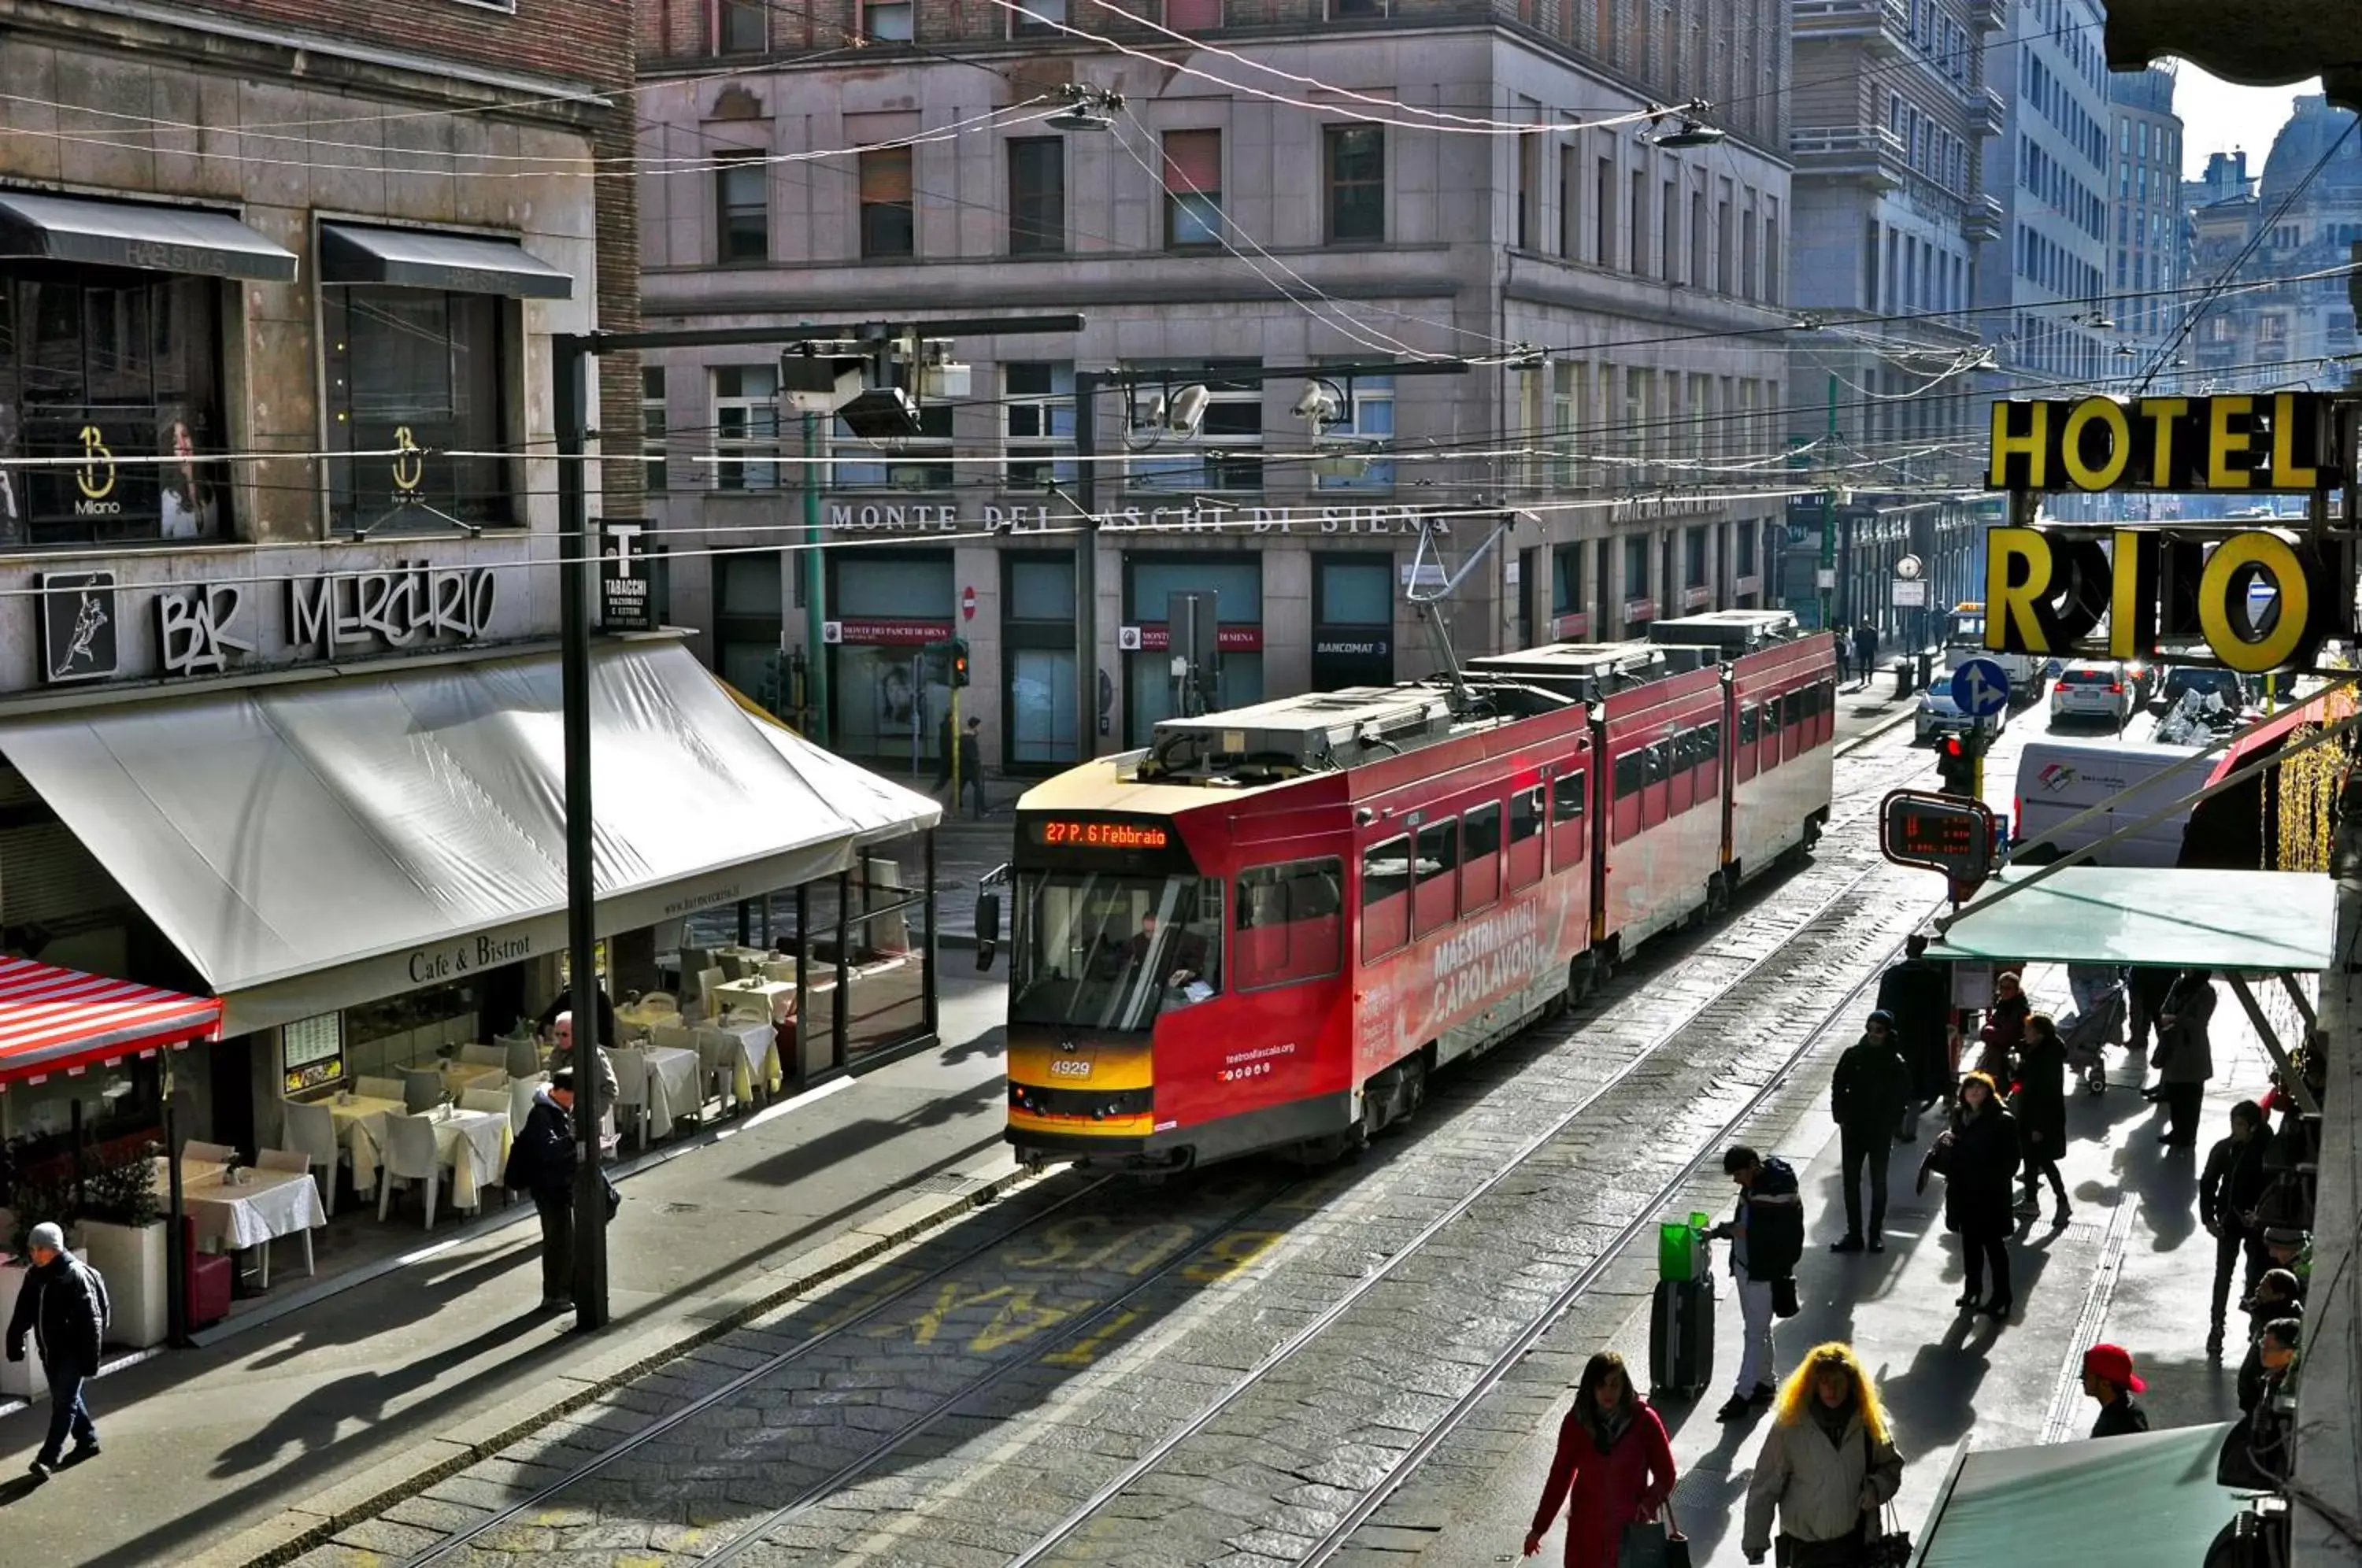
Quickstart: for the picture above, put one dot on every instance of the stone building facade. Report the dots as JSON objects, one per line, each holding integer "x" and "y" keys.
{"x": 1385, "y": 183}
{"x": 2146, "y": 216}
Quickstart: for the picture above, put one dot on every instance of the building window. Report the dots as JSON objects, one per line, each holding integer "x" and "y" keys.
{"x": 887, "y": 230}
{"x": 1228, "y": 453}
{"x": 916, "y": 462}
{"x": 1359, "y": 10}
{"x": 1636, "y": 567}
{"x": 740, "y": 203}
{"x": 1566, "y": 579}
{"x": 738, "y": 27}
{"x": 1193, "y": 188}
{"x": 1193, "y": 15}
{"x": 745, "y": 427}
{"x": 1743, "y": 546}
{"x": 140, "y": 364}
{"x": 1566, "y": 407}
{"x": 652, "y": 427}
{"x": 1693, "y": 559}
{"x": 1037, "y": 195}
{"x": 1038, "y": 400}
{"x": 1036, "y": 18}
{"x": 1637, "y": 225}
{"x": 413, "y": 367}
{"x": 749, "y": 615}
{"x": 1037, "y": 651}
{"x": 1357, "y": 183}
{"x": 1603, "y": 214}
{"x": 888, "y": 21}
{"x": 1371, "y": 425}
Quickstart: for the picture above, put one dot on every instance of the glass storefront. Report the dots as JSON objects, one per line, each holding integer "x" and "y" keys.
{"x": 749, "y": 612}
{"x": 889, "y": 704}
{"x": 1236, "y": 582}
{"x": 95, "y": 365}
{"x": 1352, "y": 621}
{"x": 1037, "y": 643}
{"x": 417, "y": 373}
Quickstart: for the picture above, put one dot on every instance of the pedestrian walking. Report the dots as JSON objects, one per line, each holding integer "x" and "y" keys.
{"x": 1918, "y": 994}
{"x": 2229, "y": 1190}
{"x": 1979, "y": 1155}
{"x": 1767, "y": 1240}
{"x": 2184, "y": 1057}
{"x": 63, "y": 1305}
{"x": 1843, "y": 635}
{"x": 1865, "y": 651}
{"x": 2040, "y": 1105}
{"x": 543, "y": 1162}
{"x": 2146, "y": 999}
{"x": 971, "y": 767}
{"x": 2004, "y": 1025}
{"x": 1614, "y": 1466}
{"x": 1866, "y": 1099}
{"x": 2108, "y": 1377}
{"x": 1828, "y": 1467}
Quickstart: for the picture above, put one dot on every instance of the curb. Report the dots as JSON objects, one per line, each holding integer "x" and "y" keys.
{"x": 295, "y": 1531}
{"x": 1855, "y": 743}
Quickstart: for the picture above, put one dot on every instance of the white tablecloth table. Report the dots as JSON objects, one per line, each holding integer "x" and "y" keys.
{"x": 774, "y": 999}
{"x": 266, "y": 1205}
{"x": 475, "y": 1144}
{"x": 756, "y": 1060}
{"x": 675, "y": 1087}
{"x": 461, "y": 1076}
{"x": 640, "y": 1020}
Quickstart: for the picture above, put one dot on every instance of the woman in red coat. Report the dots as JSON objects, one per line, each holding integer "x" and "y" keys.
{"x": 1613, "y": 1456}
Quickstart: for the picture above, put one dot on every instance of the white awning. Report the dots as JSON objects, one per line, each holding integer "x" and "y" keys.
{"x": 2152, "y": 916}
{"x": 315, "y": 845}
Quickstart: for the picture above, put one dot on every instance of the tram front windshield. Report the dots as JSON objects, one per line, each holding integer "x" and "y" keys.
{"x": 1107, "y": 952}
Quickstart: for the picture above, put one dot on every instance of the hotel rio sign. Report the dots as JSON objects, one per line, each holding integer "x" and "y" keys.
{"x": 2258, "y": 599}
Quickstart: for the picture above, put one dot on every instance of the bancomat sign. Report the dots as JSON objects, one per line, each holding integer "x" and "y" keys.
{"x": 2259, "y": 601}
{"x": 2259, "y": 445}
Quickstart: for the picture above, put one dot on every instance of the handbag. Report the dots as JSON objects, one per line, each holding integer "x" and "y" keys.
{"x": 1882, "y": 1545}
{"x": 1654, "y": 1543}
{"x": 1784, "y": 1298}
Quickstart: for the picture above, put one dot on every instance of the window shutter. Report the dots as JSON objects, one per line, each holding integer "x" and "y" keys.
{"x": 886, "y": 176}
{"x": 1193, "y": 161}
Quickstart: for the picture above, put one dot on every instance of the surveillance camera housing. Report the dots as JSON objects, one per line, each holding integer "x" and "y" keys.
{"x": 881, "y": 414}
{"x": 1317, "y": 401}
{"x": 1186, "y": 410}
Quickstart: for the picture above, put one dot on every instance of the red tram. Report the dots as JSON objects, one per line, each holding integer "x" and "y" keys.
{"x": 1265, "y": 931}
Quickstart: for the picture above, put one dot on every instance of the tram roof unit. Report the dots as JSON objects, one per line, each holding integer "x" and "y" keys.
{"x": 1321, "y": 731}
{"x": 1732, "y": 631}
{"x": 1582, "y": 673}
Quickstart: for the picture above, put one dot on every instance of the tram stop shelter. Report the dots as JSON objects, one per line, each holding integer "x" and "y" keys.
{"x": 2238, "y": 923}
{"x": 2118, "y": 1502}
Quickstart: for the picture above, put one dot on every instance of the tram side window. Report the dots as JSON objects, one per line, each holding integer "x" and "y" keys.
{"x": 1479, "y": 862}
{"x": 1290, "y": 923}
{"x": 1567, "y": 795}
{"x": 1707, "y": 758}
{"x": 1435, "y": 898}
{"x": 1751, "y": 732}
{"x": 1525, "y": 838}
{"x": 1826, "y": 725}
{"x": 1631, "y": 778}
{"x": 1795, "y": 719}
{"x": 1682, "y": 750}
{"x": 1385, "y": 898}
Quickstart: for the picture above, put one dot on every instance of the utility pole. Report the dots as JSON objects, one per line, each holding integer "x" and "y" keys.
{"x": 1829, "y": 511}
{"x": 815, "y": 588}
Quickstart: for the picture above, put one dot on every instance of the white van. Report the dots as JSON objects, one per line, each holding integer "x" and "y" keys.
{"x": 2057, "y": 780}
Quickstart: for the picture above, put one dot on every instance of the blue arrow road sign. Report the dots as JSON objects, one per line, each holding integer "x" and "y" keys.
{"x": 1980, "y": 688}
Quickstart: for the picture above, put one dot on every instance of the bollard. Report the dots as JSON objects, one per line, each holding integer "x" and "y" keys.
{"x": 1903, "y": 685}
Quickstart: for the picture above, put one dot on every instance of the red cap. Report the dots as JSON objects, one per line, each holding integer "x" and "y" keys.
{"x": 2113, "y": 1364}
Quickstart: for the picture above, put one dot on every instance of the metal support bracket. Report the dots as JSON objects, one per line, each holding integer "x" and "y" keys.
{"x": 2291, "y": 1079}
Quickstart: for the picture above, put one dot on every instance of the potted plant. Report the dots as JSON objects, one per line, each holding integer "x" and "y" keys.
{"x": 32, "y": 1199}
{"x": 122, "y": 1232}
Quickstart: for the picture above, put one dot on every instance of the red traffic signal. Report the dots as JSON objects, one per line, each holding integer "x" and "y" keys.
{"x": 1954, "y": 765}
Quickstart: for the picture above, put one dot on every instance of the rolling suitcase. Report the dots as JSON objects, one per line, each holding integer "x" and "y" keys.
{"x": 1680, "y": 1336}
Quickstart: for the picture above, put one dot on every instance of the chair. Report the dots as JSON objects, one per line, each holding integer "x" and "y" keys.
{"x": 707, "y": 979}
{"x": 206, "y": 1279}
{"x": 521, "y": 1057}
{"x": 782, "y": 970}
{"x": 422, "y": 1089}
{"x": 521, "y": 1092}
{"x": 410, "y": 1153}
{"x": 285, "y": 1160}
{"x": 631, "y": 1089}
{"x": 659, "y": 1001}
{"x": 485, "y": 1100}
{"x": 313, "y": 1130}
{"x": 378, "y": 1088}
{"x": 719, "y": 1054}
{"x": 484, "y": 1056}
{"x": 733, "y": 966}
{"x": 217, "y": 1153}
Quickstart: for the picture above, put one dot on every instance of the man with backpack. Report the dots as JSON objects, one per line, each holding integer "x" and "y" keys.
{"x": 1767, "y": 1239}
{"x": 63, "y": 1305}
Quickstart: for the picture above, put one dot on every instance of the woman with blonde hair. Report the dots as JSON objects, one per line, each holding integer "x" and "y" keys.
{"x": 1828, "y": 1467}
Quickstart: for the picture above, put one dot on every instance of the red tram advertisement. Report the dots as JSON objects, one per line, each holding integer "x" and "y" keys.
{"x": 1266, "y": 928}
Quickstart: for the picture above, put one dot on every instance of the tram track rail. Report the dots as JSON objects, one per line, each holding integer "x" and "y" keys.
{"x": 717, "y": 1548}
{"x": 1306, "y": 1335}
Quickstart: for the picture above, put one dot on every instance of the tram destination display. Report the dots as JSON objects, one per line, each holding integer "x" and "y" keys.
{"x": 1130, "y": 836}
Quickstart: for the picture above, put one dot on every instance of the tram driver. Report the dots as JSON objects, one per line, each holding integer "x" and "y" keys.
{"x": 1184, "y": 950}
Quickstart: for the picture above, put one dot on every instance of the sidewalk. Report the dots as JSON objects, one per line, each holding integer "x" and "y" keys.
{"x": 2133, "y": 1267}
{"x": 314, "y": 1412}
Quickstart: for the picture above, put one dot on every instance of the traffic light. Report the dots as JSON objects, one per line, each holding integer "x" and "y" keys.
{"x": 1955, "y": 767}
{"x": 959, "y": 661}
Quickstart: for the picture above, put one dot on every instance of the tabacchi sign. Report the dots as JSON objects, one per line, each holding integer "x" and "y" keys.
{"x": 2276, "y": 442}
{"x": 2047, "y": 590}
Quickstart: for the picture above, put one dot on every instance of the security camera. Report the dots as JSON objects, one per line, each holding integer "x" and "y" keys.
{"x": 1186, "y": 412}
{"x": 1316, "y": 403}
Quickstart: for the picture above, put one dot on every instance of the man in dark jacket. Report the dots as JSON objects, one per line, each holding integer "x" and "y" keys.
{"x": 1865, "y": 652}
{"x": 1867, "y": 1096}
{"x": 542, "y": 1162}
{"x": 1918, "y": 994}
{"x": 63, "y": 1305}
{"x": 2184, "y": 1056}
{"x": 2229, "y": 1189}
{"x": 1767, "y": 1239}
{"x": 2108, "y": 1376}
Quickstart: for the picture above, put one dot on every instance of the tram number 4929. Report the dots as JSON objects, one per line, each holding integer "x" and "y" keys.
{"x": 1069, "y": 1067}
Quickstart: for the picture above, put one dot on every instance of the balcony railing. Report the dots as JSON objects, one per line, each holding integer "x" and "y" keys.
{"x": 1883, "y": 25}
{"x": 1870, "y": 152}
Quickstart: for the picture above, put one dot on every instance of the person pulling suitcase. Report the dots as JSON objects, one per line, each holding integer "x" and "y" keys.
{"x": 1767, "y": 1239}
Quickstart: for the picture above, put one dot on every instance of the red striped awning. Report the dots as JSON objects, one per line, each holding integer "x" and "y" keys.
{"x": 62, "y": 1021}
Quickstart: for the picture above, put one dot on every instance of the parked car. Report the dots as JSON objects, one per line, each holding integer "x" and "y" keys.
{"x": 1939, "y": 715}
{"x": 2235, "y": 689}
{"x": 2093, "y": 688}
